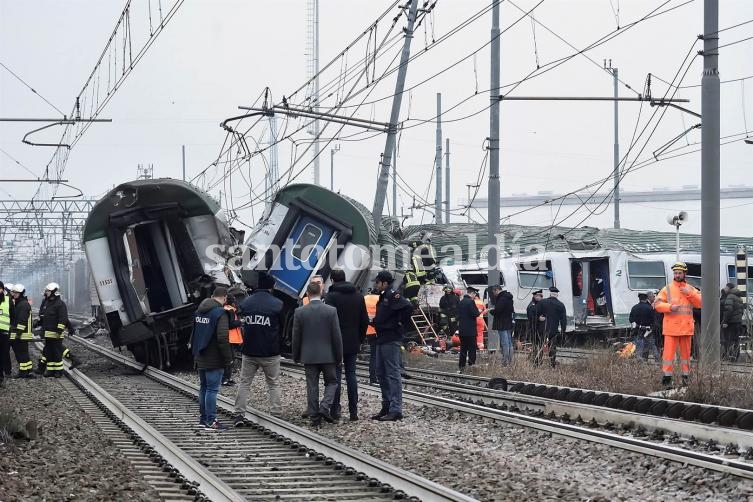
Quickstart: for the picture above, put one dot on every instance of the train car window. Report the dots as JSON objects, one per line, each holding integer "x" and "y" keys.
{"x": 309, "y": 238}
{"x": 535, "y": 274}
{"x": 643, "y": 275}
{"x": 732, "y": 277}
{"x": 479, "y": 278}
{"x": 693, "y": 277}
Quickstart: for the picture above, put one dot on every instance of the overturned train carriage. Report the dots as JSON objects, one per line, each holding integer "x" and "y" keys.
{"x": 155, "y": 250}
{"x": 309, "y": 230}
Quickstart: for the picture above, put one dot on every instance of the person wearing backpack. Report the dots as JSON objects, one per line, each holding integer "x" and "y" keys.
{"x": 212, "y": 353}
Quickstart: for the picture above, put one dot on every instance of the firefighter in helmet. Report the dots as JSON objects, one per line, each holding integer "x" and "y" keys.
{"x": 53, "y": 318}
{"x": 20, "y": 333}
{"x": 676, "y": 301}
{"x": 411, "y": 286}
{"x": 448, "y": 310}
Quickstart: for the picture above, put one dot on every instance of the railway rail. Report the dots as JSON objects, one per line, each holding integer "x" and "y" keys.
{"x": 268, "y": 459}
{"x": 727, "y": 449}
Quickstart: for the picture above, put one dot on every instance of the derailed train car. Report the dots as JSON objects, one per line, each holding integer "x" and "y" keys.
{"x": 306, "y": 231}
{"x": 147, "y": 243}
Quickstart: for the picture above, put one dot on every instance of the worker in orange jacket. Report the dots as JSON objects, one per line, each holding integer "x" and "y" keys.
{"x": 235, "y": 337}
{"x": 371, "y": 300}
{"x": 480, "y": 323}
{"x": 676, "y": 301}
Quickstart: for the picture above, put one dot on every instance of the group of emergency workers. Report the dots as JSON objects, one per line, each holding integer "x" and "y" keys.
{"x": 16, "y": 331}
{"x": 668, "y": 313}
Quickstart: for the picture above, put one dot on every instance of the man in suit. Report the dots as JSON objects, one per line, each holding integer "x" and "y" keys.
{"x": 317, "y": 343}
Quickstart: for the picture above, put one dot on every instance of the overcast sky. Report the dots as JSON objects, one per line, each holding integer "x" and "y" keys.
{"x": 214, "y": 56}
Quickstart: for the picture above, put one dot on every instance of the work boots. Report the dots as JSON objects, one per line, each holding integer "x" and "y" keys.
{"x": 666, "y": 381}
{"x": 75, "y": 361}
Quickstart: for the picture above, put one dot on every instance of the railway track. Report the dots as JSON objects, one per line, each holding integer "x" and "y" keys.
{"x": 269, "y": 459}
{"x": 718, "y": 448}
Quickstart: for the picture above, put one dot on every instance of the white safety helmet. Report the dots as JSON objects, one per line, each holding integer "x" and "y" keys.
{"x": 53, "y": 287}
{"x": 18, "y": 288}
{"x": 9, "y": 286}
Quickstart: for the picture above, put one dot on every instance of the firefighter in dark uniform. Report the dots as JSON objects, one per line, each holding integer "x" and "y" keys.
{"x": 552, "y": 313}
{"x": 53, "y": 318}
{"x": 6, "y": 319}
{"x": 642, "y": 320}
{"x": 448, "y": 311}
{"x": 67, "y": 354}
{"x": 535, "y": 327}
{"x": 20, "y": 333}
{"x": 411, "y": 286}
{"x": 392, "y": 314}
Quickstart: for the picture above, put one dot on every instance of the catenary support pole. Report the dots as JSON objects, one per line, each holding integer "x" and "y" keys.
{"x": 447, "y": 181}
{"x": 183, "y": 150}
{"x": 709, "y": 346}
{"x": 389, "y": 147}
{"x": 394, "y": 182}
{"x": 438, "y": 163}
{"x": 315, "y": 93}
{"x": 616, "y": 152}
{"x": 493, "y": 215}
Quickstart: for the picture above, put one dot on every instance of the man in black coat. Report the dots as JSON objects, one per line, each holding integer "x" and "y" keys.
{"x": 467, "y": 314}
{"x": 504, "y": 312}
{"x": 553, "y": 314}
{"x": 732, "y": 318}
{"x": 354, "y": 320}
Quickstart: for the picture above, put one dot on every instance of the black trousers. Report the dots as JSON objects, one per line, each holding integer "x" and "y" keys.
{"x": 52, "y": 354}
{"x": 5, "y": 365}
{"x": 21, "y": 351}
{"x": 467, "y": 351}
{"x": 538, "y": 348}
{"x": 731, "y": 341}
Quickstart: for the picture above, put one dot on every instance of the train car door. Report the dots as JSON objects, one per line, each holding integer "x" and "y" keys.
{"x": 301, "y": 252}
{"x": 592, "y": 294}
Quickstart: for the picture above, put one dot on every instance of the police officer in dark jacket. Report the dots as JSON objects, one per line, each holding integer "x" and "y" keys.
{"x": 535, "y": 327}
{"x": 467, "y": 314}
{"x": 211, "y": 350}
{"x": 354, "y": 321}
{"x": 392, "y": 315}
{"x": 642, "y": 319}
{"x": 260, "y": 313}
{"x": 552, "y": 313}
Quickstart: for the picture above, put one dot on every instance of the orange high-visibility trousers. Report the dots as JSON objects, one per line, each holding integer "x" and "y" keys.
{"x": 671, "y": 344}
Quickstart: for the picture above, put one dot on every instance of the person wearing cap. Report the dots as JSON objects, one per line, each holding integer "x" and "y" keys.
{"x": 468, "y": 313}
{"x": 6, "y": 318}
{"x": 535, "y": 328}
{"x": 261, "y": 313}
{"x": 448, "y": 310}
{"x": 502, "y": 323}
{"x": 676, "y": 301}
{"x": 211, "y": 351}
{"x": 642, "y": 321}
{"x": 552, "y": 313}
{"x": 392, "y": 315}
{"x": 20, "y": 333}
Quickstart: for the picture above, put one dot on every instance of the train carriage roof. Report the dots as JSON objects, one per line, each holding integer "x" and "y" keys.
{"x": 192, "y": 200}
{"x": 562, "y": 239}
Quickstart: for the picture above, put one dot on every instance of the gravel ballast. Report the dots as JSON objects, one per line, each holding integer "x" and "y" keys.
{"x": 70, "y": 459}
{"x": 494, "y": 461}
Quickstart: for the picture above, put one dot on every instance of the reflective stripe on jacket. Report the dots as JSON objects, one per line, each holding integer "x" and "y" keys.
{"x": 371, "y": 303}
{"x": 21, "y": 328}
{"x": 679, "y": 322}
{"x": 5, "y": 313}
